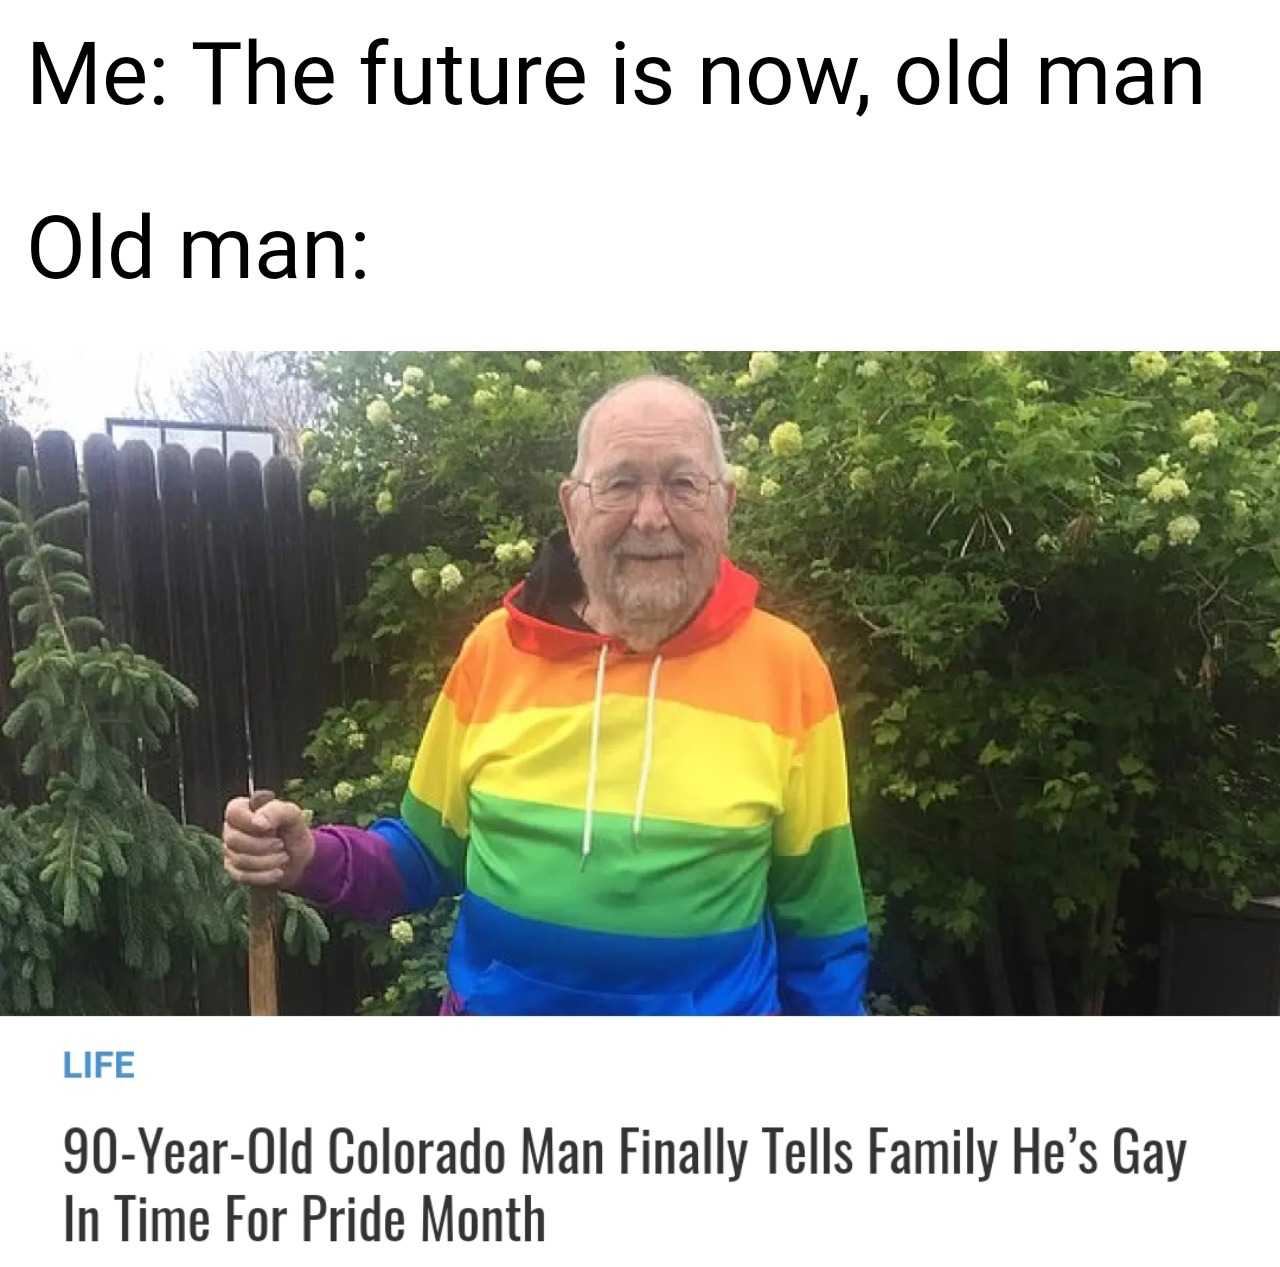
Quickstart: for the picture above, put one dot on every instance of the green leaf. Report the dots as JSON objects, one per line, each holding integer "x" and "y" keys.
{"x": 62, "y": 514}
{"x": 71, "y": 901}
{"x": 993, "y": 754}
{"x": 17, "y": 719}
{"x": 88, "y": 761}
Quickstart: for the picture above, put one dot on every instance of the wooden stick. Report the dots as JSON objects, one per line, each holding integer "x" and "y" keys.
{"x": 264, "y": 986}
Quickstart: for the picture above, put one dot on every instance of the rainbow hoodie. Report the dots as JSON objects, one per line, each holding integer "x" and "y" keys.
{"x": 630, "y": 833}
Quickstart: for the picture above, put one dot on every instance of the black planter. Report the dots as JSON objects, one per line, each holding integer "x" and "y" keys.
{"x": 1216, "y": 961}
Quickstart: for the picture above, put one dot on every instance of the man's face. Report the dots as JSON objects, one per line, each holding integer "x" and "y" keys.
{"x": 653, "y": 564}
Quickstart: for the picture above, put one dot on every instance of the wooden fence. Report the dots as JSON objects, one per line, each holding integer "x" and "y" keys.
{"x": 220, "y": 571}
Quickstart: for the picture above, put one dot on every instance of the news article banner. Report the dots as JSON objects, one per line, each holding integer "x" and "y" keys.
{"x": 360, "y": 1147}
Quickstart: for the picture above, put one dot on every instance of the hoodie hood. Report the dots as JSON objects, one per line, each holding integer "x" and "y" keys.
{"x": 542, "y": 621}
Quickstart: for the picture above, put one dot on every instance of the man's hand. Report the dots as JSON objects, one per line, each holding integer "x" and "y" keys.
{"x": 269, "y": 846}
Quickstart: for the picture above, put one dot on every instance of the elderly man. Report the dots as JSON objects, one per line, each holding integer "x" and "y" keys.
{"x": 634, "y": 777}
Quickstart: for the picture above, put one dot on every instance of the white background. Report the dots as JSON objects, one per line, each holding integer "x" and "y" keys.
{"x": 676, "y": 226}
{"x": 1210, "y": 1083}
{"x": 673, "y": 226}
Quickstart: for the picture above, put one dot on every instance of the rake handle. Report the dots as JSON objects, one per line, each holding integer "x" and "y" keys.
{"x": 264, "y": 982}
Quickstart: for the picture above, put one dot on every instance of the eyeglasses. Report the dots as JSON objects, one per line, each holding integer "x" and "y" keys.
{"x": 614, "y": 493}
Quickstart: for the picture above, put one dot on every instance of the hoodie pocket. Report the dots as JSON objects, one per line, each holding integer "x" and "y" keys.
{"x": 501, "y": 990}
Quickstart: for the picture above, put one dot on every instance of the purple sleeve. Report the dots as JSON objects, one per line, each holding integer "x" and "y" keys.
{"x": 354, "y": 872}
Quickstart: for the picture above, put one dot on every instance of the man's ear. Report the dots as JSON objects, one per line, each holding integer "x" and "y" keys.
{"x": 730, "y": 497}
{"x": 565, "y": 493}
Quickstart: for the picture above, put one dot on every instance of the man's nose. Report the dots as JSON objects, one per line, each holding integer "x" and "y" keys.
{"x": 651, "y": 511}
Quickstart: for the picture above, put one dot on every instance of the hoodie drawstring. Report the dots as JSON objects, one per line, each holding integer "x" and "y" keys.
{"x": 593, "y": 762}
{"x": 594, "y": 759}
{"x": 647, "y": 760}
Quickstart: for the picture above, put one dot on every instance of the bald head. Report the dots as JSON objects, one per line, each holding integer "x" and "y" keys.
{"x": 651, "y": 400}
{"x": 647, "y": 509}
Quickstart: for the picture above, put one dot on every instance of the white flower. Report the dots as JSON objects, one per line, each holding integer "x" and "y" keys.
{"x": 786, "y": 439}
{"x": 437, "y": 401}
{"x": 533, "y": 366}
{"x": 1183, "y": 530}
{"x": 489, "y": 378}
{"x": 378, "y": 412}
{"x": 355, "y": 741}
{"x": 996, "y": 359}
{"x": 861, "y": 480}
{"x": 1170, "y": 488}
{"x": 384, "y": 503}
{"x": 343, "y": 792}
{"x": 1148, "y": 365}
{"x": 1182, "y": 380}
{"x": 520, "y": 392}
{"x": 306, "y": 439}
{"x": 870, "y": 368}
{"x": 412, "y": 375}
{"x": 821, "y": 362}
{"x": 374, "y": 783}
{"x": 1047, "y": 543}
{"x": 769, "y": 488}
{"x": 483, "y": 398}
{"x": 1149, "y": 477}
{"x": 1036, "y": 387}
{"x": 455, "y": 362}
{"x": 420, "y": 579}
{"x": 450, "y": 578}
{"x": 737, "y": 475}
{"x": 1199, "y": 423}
{"x": 1217, "y": 360}
{"x": 1149, "y": 546}
{"x": 524, "y": 551}
{"x": 762, "y": 365}
{"x": 401, "y": 764}
{"x": 504, "y": 552}
{"x": 1202, "y": 428}
{"x": 402, "y": 931}
{"x": 750, "y": 443}
{"x": 317, "y": 499}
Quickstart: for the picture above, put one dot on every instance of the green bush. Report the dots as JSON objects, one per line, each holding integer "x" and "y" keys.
{"x": 1050, "y": 587}
{"x": 102, "y": 890}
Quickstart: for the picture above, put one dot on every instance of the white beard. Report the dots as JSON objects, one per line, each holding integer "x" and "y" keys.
{"x": 652, "y": 600}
